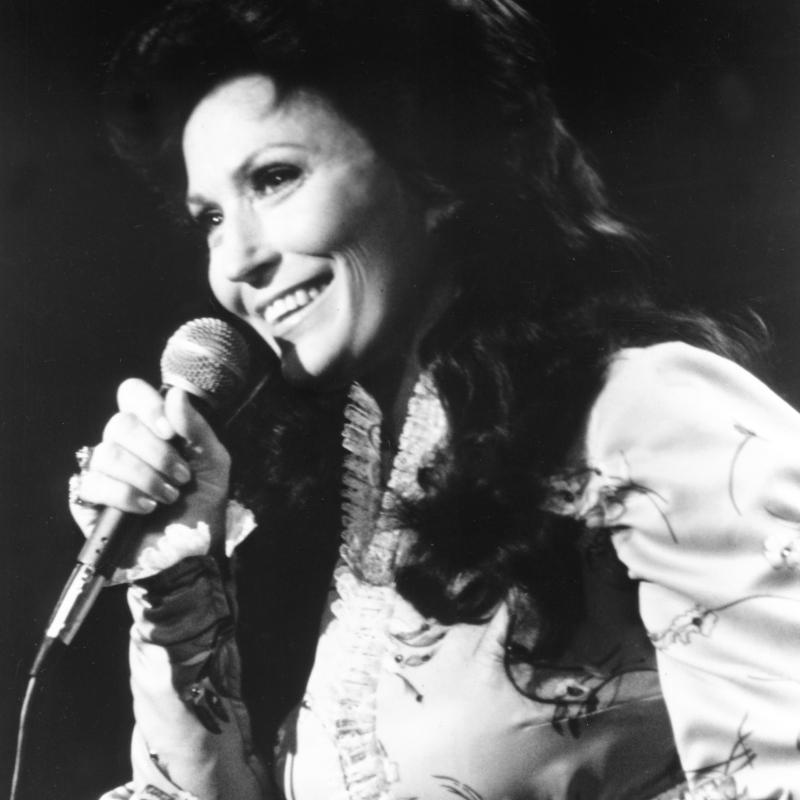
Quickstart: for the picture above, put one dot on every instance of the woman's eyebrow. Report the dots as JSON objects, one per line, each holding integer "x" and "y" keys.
{"x": 194, "y": 199}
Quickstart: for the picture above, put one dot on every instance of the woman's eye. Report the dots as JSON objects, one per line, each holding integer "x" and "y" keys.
{"x": 266, "y": 180}
{"x": 207, "y": 220}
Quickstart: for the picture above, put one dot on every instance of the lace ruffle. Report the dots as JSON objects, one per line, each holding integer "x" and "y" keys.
{"x": 178, "y": 542}
{"x": 344, "y": 696}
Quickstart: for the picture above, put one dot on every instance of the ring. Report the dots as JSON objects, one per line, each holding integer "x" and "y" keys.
{"x": 74, "y": 488}
{"x": 83, "y": 456}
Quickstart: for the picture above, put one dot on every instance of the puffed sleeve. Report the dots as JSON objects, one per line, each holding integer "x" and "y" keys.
{"x": 695, "y": 469}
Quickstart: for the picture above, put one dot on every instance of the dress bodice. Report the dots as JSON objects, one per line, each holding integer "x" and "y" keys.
{"x": 450, "y": 721}
{"x": 399, "y": 706}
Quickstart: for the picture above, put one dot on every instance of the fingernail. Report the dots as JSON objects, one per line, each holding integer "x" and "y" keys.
{"x": 146, "y": 504}
{"x": 169, "y": 492}
{"x": 181, "y": 473}
{"x": 163, "y": 428}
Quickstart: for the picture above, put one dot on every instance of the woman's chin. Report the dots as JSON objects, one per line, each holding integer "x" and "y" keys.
{"x": 311, "y": 373}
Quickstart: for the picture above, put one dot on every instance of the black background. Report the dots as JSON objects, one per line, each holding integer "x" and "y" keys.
{"x": 692, "y": 111}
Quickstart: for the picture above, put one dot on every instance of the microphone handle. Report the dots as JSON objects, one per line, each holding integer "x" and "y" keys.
{"x": 74, "y": 604}
{"x": 105, "y": 547}
{"x": 97, "y": 560}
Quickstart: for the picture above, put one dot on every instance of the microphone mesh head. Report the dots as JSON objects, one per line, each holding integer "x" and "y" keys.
{"x": 209, "y": 359}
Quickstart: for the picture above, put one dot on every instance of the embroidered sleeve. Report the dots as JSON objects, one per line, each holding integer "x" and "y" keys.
{"x": 693, "y": 469}
{"x": 192, "y": 733}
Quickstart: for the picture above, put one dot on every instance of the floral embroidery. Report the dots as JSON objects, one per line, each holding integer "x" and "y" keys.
{"x": 717, "y": 782}
{"x": 570, "y": 689}
{"x": 697, "y": 621}
{"x": 587, "y": 493}
{"x": 599, "y": 498}
{"x": 566, "y": 495}
{"x": 411, "y": 648}
{"x": 454, "y": 787}
{"x": 590, "y": 690}
{"x": 701, "y": 621}
{"x": 719, "y": 787}
{"x": 151, "y": 792}
{"x": 575, "y": 691}
{"x": 782, "y": 551}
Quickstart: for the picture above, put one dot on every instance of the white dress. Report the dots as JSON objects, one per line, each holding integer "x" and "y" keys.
{"x": 690, "y": 467}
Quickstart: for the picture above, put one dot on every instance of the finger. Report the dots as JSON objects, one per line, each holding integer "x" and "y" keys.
{"x": 127, "y": 435}
{"x": 113, "y": 460}
{"x": 139, "y": 398}
{"x": 104, "y": 490}
{"x": 84, "y": 515}
{"x": 209, "y": 460}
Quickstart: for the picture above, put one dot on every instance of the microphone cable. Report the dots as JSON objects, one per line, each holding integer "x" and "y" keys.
{"x": 21, "y": 736}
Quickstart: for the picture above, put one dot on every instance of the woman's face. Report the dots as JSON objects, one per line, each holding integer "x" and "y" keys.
{"x": 313, "y": 239}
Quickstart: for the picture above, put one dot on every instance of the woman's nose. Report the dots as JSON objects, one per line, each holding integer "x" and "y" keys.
{"x": 248, "y": 252}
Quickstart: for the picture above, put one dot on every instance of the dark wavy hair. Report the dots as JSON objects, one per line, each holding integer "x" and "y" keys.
{"x": 450, "y": 92}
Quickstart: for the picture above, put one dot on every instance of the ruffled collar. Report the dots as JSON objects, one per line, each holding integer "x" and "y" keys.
{"x": 372, "y": 534}
{"x": 343, "y": 686}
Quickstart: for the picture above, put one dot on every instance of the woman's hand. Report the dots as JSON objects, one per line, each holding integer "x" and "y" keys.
{"x": 159, "y": 459}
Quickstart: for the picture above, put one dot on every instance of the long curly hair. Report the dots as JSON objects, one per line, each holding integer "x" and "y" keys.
{"x": 551, "y": 285}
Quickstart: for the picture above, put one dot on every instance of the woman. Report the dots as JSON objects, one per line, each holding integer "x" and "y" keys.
{"x": 557, "y": 500}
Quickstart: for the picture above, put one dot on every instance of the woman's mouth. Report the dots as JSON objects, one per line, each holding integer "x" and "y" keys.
{"x": 295, "y": 300}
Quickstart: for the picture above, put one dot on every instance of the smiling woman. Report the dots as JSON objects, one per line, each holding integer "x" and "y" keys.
{"x": 544, "y": 521}
{"x": 313, "y": 237}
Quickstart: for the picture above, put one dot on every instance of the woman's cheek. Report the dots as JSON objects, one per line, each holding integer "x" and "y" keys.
{"x": 227, "y": 292}
{"x": 321, "y": 223}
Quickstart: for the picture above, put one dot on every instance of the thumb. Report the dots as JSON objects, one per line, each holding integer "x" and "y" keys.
{"x": 203, "y": 447}
{"x": 204, "y": 499}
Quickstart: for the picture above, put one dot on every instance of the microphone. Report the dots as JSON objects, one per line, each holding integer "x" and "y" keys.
{"x": 209, "y": 360}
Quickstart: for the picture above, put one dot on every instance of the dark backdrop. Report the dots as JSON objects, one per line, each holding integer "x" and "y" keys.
{"x": 692, "y": 110}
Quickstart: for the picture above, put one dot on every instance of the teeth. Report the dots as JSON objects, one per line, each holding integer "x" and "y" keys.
{"x": 289, "y": 303}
